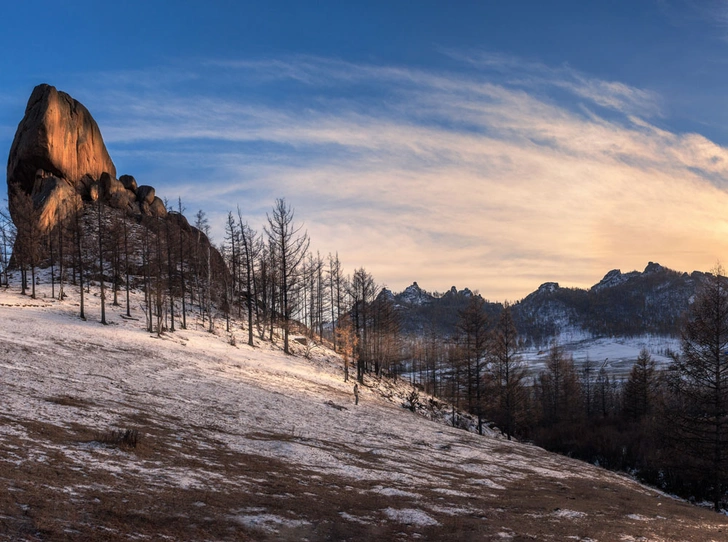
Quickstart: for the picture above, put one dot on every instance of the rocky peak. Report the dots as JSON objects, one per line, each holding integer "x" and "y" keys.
{"x": 59, "y": 159}
{"x": 615, "y": 277}
{"x": 386, "y": 294}
{"x": 455, "y": 292}
{"x": 59, "y": 136}
{"x": 612, "y": 278}
{"x": 548, "y": 287}
{"x": 414, "y": 295}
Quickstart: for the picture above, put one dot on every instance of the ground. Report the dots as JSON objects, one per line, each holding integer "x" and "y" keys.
{"x": 241, "y": 443}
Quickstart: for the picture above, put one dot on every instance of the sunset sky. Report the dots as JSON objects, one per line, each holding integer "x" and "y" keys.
{"x": 489, "y": 145}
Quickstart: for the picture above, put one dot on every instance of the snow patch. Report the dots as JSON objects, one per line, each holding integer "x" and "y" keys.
{"x": 568, "y": 514}
{"x": 410, "y": 516}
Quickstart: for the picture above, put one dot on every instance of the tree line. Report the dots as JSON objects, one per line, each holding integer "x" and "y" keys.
{"x": 267, "y": 278}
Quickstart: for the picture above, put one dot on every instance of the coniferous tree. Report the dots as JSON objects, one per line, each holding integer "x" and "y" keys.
{"x": 698, "y": 407}
{"x": 62, "y": 226}
{"x": 127, "y": 271}
{"x": 100, "y": 234}
{"x": 639, "y": 391}
{"x": 559, "y": 389}
{"x": 7, "y": 239}
{"x": 507, "y": 373}
{"x": 78, "y": 233}
{"x": 181, "y": 261}
{"x": 250, "y": 252}
{"x": 362, "y": 291}
{"x": 336, "y": 292}
{"x": 473, "y": 325}
{"x": 28, "y": 236}
{"x": 291, "y": 245}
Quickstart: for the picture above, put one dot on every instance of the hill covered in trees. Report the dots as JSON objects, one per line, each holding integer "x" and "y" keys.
{"x": 620, "y": 305}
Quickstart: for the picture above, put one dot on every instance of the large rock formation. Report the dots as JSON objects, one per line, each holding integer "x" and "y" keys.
{"x": 58, "y": 163}
{"x": 59, "y": 159}
{"x": 58, "y": 135}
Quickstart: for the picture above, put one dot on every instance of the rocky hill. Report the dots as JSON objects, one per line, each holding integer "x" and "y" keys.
{"x": 58, "y": 165}
{"x": 620, "y": 305}
{"x": 110, "y": 433}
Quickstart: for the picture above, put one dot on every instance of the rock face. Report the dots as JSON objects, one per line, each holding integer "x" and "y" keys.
{"x": 53, "y": 197}
{"x": 145, "y": 194}
{"x": 59, "y": 159}
{"x": 58, "y": 135}
{"x": 129, "y": 182}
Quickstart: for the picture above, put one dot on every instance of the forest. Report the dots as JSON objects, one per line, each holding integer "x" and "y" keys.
{"x": 667, "y": 427}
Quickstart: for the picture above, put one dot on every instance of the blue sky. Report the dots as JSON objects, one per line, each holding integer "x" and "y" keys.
{"x": 493, "y": 145}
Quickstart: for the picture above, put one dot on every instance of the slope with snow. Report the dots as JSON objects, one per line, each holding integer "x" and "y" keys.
{"x": 239, "y": 443}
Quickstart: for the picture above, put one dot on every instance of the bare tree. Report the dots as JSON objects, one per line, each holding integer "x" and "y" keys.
{"x": 336, "y": 292}
{"x": 251, "y": 250}
{"x": 291, "y": 245}
{"x": 102, "y": 295}
{"x": 507, "y": 372}
{"x": 473, "y": 324}
{"x": 362, "y": 291}
{"x": 7, "y": 239}
{"x": 78, "y": 233}
{"x": 558, "y": 389}
{"x": 181, "y": 255}
{"x": 27, "y": 249}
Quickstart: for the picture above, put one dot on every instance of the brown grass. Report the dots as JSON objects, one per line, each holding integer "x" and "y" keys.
{"x": 53, "y": 497}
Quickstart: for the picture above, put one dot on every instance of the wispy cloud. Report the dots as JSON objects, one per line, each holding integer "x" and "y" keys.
{"x": 499, "y": 174}
{"x": 534, "y": 75}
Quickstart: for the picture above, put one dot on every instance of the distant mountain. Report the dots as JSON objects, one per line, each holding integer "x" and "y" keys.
{"x": 620, "y": 305}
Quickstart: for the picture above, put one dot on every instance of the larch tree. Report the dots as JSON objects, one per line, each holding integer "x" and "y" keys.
{"x": 639, "y": 391}
{"x": 27, "y": 250}
{"x": 362, "y": 290}
{"x": 507, "y": 373}
{"x": 250, "y": 252}
{"x": 698, "y": 408}
{"x": 291, "y": 244}
{"x": 102, "y": 294}
{"x": 7, "y": 238}
{"x": 558, "y": 388}
{"x": 336, "y": 293}
{"x": 473, "y": 325}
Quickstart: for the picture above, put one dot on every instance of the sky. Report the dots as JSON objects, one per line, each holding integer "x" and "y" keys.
{"x": 488, "y": 145}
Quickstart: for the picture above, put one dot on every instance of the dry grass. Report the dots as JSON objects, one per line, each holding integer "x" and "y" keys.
{"x": 202, "y": 470}
{"x": 51, "y": 497}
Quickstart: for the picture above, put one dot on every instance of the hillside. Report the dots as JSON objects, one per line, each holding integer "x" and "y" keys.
{"x": 240, "y": 443}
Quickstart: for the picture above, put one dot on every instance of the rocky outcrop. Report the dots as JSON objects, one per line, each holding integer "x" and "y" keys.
{"x": 58, "y": 162}
{"x": 59, "y": 136}
{"x": 53, "y": 197}
{"x": 157, "y": 208}
{"x": 129, "y": 182}
{"x": 59, "y": 159}
{"x": 145, "y": 194}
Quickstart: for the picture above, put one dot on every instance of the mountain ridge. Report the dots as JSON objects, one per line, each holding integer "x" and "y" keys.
{"x": 619, "y": 305}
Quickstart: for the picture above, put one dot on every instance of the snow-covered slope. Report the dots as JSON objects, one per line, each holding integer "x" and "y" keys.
{"x": 240, "y": 443}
